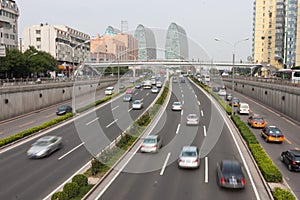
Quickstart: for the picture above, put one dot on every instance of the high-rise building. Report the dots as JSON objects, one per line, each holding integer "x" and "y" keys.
{"x": 176, "y": 46}
{"x": 146, "y": 43}
{"x": 9, "y": 14}
{"x": 67, "y": 45}
{"x": 275, "y": 33}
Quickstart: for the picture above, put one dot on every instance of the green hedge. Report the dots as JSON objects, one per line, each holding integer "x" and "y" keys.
{"x": 59, "y": 196}
{"x": 80, "y": 179}
{"x": 246, "y": 133}
{"x": 71, "y": 189}
{"x": 282, "y": 194}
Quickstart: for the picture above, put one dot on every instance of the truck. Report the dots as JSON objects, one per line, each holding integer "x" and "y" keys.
{"x": 147, "y": 84}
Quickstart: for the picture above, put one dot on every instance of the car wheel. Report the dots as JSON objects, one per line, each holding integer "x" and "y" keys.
{"x": 266, "y": 139}
{"x": 281, "y": 158}
{"x": 290, "y": 167}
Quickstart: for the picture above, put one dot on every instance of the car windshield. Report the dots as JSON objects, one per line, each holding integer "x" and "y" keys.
{"x": 136, "y": 102}
{"x": 244, "y": 106}
{"x": 258, "y": 119}
{"x": 42, "y": 143}
{"x": 62, "y": 108}
{"x": 232, "y": 169}
{"x": 176, "y": 103}
{"x": 275, "y": 131}
{"x": 149, "y": 140}
{"x": 189, "y": 154}
{"x": 192, "y": 117}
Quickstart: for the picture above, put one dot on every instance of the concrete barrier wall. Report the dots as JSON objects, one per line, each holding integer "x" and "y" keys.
{"x": 285, "y": 99}
{"x": 15, "y": 101}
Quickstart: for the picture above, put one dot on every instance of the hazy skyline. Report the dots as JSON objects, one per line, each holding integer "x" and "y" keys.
{"x": 203, "y": 20}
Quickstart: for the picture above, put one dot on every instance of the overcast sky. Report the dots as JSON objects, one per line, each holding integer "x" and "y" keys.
{"x": 203, "y": 20}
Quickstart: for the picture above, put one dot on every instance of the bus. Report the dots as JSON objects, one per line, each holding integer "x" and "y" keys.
{"x": 292, "y": 75}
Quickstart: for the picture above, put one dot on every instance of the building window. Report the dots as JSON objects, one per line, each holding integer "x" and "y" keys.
{"x": 38, "y": 31}
{"x": 38, "y": 39}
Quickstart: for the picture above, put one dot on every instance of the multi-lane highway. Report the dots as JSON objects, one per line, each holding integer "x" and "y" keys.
{"x": 157, "y": 176}
{"x": 290, "y": 130}
{"x": 36, "y": 178}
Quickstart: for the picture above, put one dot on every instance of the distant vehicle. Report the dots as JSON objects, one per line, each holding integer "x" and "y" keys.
{"x": 272, "y": 134}
{"x": 121, "y": 87}
{"x": 137, "y": 104}
{"x": 176, "y": 106}
{"x": 291, "y": 158}
{"x": 222, "y": 92}
{"x": 63, "y": 109}
{"x": 175, "y": 80}
{"x": 206, "y": 78}
{"x": 289, "y": 74}
{"x": 243, "y": 108}
{"x": 129, "y": 91}
{"x": 158, "y": 84}
{"x": 154, "y": 89}
{"x": 151, "y": 143}
{"x": 215, "y": 89}
{"x": 230, "y": 174}
{"x": 235, "y": 101}
{"x": 153, "y": 81}
{"x": 182, "y": 80}
{"x": 138, "y": 86}
{"x": 228, "y": 97}
{"x": 109, "y": 91}
{"x": 44, "y": 146}
{"x": 192, "y": 119}
{"x": 256, "y": 121}
{"x": 189, "y": 157}
{"x": 127, "y": 97}
{"x": 147, "y": 84}
{"x": 132, "y": 81}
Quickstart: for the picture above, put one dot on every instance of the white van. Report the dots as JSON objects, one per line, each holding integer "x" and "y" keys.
{"x": 109, "y": 91}
{"x": 243, "y": 108}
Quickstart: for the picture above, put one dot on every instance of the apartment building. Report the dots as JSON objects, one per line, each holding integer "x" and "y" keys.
{"x": 69, "y": 46}
{"x": 9, "y": 14}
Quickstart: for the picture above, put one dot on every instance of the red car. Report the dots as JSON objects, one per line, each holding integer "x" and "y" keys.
{"x": 129, "y": 91}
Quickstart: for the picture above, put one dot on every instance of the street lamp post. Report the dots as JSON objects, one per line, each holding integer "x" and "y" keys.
{"x": 33, "y": 54}
{"x": 233, "y": 60}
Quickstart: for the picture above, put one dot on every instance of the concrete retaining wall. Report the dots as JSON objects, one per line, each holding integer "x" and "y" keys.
{"x": 285, "y": 99}
{"x": 15, "y": 101}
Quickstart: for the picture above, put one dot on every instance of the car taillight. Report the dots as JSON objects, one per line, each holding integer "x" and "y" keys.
{"x": 179, "y": 160}
{"x": 196, "y": 160}
{"x": 222, "y": 180}
{"x": 282, "y": 136}
{"x": 155, "y": 145}
{"x": 142, "y": 146}
{"x": 294, "y": 163}
{"x": 243, "y": 181}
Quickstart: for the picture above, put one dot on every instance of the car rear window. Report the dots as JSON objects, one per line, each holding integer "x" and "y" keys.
{"x": 297, "y": 158}
{"x": 189, "y": 154}
{"x": 258, "y": 119}
{"x": 229, "y": 169}
{"x": 149, "y": 140}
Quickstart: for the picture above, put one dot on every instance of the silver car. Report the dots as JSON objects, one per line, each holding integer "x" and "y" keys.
{"x": 137, "y": 104}
{"x": 192, "y": 119}
{"x": 44, "y": 146}
{"x": 176, "y": 106}
{"x": 189, "y": 157}
{"x": 151, "y": 143}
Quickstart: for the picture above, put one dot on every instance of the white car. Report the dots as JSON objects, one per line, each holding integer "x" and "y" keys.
{"x": 151, "y": 143}
{"x": 192, "y": 119}
{"x": 243, "y": 108}
{"x": 176, "y": 106}
{"x": 154, "y": 89}
{"x": 158, "y": 84}
{"x": 109, "y": 91}
{"x": 222, "y": 92}
{"x": 137, "y": 104}
{"x": 189, "y": 157}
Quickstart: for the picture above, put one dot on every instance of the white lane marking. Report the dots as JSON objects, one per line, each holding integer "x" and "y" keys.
{"x": 70, "y": 151}
{"x": 112, "y": 123}
{"x": 165, "y": 164}
{"x": 92, "y": 121}
{"x": 181, "y": 112}
{"x": 147, "y": 94}
{"x": 182, "y": 102}
{"x": 130, "y": 110}
{"x": 199, "y": 103}
{"x": 182, "y": 96}
{"x": 142, "y": 99}
{"x": 202, "y": 114}
{"x": 206, "y": 170}
{"x": 115, "y": 107}
{"x": 136, "y": 94}
{"x": 177, "y": 130}
{"x": 204, "y": 130}
{"x": 196, "y": 96}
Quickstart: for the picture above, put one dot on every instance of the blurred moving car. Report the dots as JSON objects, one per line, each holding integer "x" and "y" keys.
{"x": 129, "y": 91}
{"x": 64, "y": 109}
{"x": 138, "y": 86}
{"x": 229, "y": 97}
{"x": 151, "y": 143}
{"x": 235, "y": 101}
{"x": 222, "y": 92}
{"x": 215, "y": 89}
{"x": 176, "y": 106}
{"x": 137, "y": 104}
{"x": 291, "y": 158}
{"x": 127, "y": 97}
{"x": 256, "y": 121}
{"x": 154, "y": 89}
{"x": 192, "y": 119}
{"x": 158, "y": 84}
{"x": 230, "y": 174}
{"x": 175, "y": 80}
{"x": 109, "y": 91}
{"x": 272, "y": 134}
{"x": 189, "y": 157}
{"x": 182, "y": 80}
{"x": 243, "y": 108}
{"x": 44, "y": 146}
{"x": 121, "y": 87}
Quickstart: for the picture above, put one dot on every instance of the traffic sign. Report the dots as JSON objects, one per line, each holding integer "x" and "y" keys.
{"x": 2, "y": 51}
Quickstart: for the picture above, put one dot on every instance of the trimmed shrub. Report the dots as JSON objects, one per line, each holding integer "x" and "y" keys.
{"x": 282, "y": 194}
{"x": 80, "y": 179}
{"x": 247, "y": 134}
{"x": 59, "y": 196}
{"x": 71, "y": 189}
{"x": 96, "y": 166}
